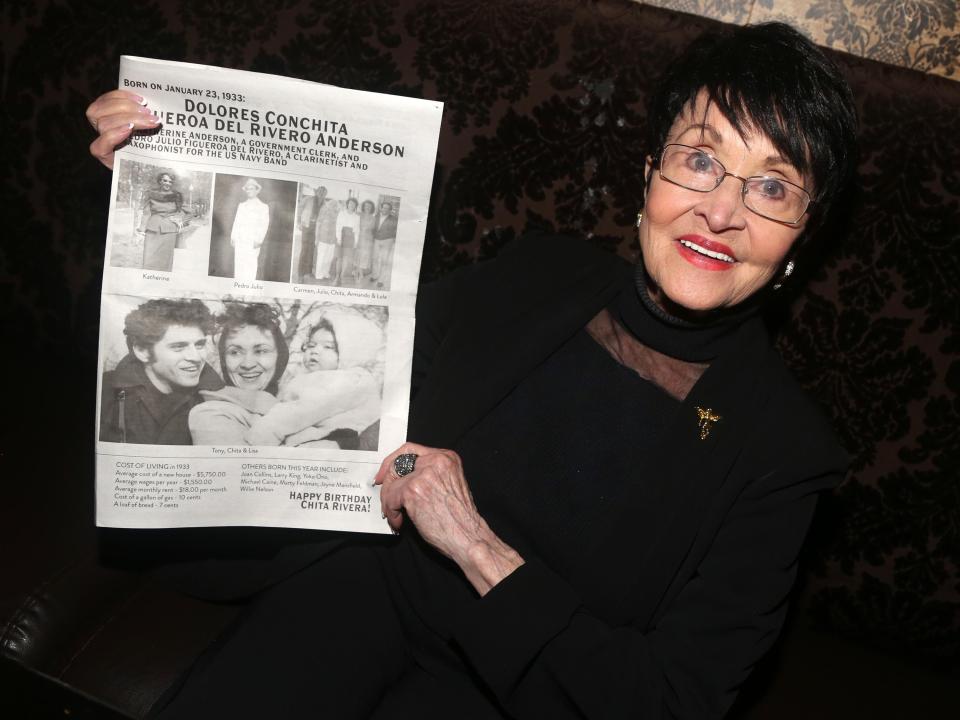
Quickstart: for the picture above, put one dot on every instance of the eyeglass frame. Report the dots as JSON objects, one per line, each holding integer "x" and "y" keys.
{"x": 743, "y": 183}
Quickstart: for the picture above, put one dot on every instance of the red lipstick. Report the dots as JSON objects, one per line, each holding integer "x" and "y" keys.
{"x": 702, "y": 260}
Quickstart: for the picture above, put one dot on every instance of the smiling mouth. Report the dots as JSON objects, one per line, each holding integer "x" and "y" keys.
{"x": 723, "y": 257}
{"x": 250, "y": 376}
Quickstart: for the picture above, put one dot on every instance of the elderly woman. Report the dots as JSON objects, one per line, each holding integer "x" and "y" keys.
{"x": 613, "y": 472}
{"x": 161, "y": 221}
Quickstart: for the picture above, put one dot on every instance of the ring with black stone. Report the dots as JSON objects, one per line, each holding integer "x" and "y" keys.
{"x": 403, "y": 465}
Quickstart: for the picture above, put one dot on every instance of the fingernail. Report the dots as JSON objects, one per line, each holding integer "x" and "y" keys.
{"x": 383, "y": 516}
{"x": 142, "y": 100}
{"x": 129, "y": 126}
{"x": 394, "y": 531}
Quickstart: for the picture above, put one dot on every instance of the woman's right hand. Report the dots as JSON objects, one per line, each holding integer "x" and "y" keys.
{"x": 115, "y": 115}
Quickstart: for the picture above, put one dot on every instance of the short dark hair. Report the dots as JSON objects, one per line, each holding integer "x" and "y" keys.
{"x": 772, "y": 79}
{"x": 260, "y": 315}
{"x": 148, "y": 323}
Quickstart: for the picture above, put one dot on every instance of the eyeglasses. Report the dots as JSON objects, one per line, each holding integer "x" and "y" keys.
{"x": 771, "y": 197}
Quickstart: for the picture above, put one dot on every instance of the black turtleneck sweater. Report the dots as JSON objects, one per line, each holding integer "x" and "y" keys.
{"x": 696, "y": 342}
{"x": 548, "y": 461}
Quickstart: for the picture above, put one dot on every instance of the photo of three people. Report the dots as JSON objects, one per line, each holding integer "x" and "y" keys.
{"x": 184, "y": 371}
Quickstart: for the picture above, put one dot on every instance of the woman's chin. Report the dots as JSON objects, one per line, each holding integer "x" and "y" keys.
{"x": 699, "y": 307}
{"x": 684, "y": 301}
{"x": 250, "y": 384}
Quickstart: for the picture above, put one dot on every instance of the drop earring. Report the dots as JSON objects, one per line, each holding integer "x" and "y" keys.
{"x": 787, "y": 272}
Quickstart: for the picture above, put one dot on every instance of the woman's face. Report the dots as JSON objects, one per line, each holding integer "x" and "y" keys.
{"x": 368, "y": 208}
{"x": 165, "y": 182}
{"x": 705, "y": 250}
{"x": 352, "y": 205}
{"x": 250, "y": 357}
{"x": 320, "y": 351}
{"x": 251, "y": 190}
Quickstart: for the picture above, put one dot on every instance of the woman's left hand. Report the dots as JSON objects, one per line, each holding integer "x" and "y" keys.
{"x": 437, "y": 500}
{"x": 114, "y": 116}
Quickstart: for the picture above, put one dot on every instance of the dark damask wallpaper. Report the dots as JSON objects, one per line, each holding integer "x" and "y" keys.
{"x": 544, "y": 127}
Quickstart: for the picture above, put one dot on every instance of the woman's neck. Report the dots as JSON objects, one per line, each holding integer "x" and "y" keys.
{"x": 675, "y": 377}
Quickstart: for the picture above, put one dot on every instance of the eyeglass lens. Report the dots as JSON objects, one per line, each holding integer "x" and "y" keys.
{"x": 771, "y": 197}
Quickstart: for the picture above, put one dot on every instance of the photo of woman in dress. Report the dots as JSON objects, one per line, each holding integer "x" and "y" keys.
{"x": 161, "y": 221}
{"x": 159, "y": 210}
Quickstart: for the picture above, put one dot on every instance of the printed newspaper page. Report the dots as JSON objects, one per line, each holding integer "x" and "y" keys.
{"x": 257, "y": 314}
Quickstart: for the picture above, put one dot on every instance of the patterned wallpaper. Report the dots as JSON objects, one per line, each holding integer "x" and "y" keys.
{"x": 919, "y": 34}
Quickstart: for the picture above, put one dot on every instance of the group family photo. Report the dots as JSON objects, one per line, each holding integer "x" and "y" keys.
{"x": 345, "y": 237}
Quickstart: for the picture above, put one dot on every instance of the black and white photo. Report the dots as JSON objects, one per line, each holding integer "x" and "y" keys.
{"x": 146, "y": 396}
{"x": 161, "y": 217}
{"x": 345, "y": 236}
{"x": 240, "y": 372}
{"x": 253, "y": 220}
